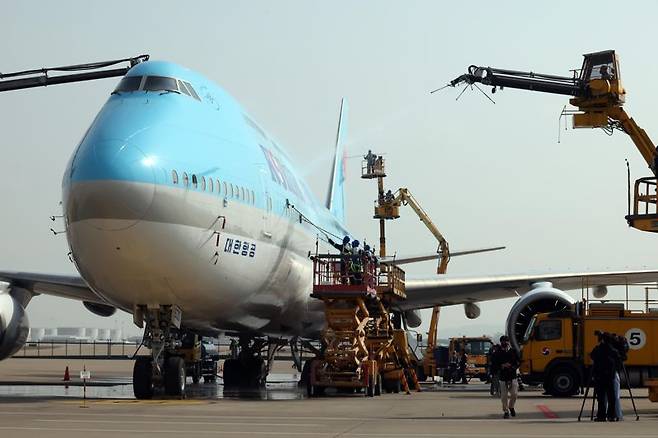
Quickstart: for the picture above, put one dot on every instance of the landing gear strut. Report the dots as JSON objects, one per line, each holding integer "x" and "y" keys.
{"x": 251, "y": 361}
{"x": 165, "y": 369}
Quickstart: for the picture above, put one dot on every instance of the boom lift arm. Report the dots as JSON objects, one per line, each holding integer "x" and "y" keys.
{"x": 599, "y": 96}
{"x": 91, "y": 71}
{"x": 389, "y": 208}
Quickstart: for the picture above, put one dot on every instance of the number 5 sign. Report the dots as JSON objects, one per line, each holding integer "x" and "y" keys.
{"x": 636, "y": 338}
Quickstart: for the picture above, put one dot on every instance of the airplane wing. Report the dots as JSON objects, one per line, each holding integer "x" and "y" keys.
{"x": 395, "y": 260}
{"x": 58, "y": 285}
{"x": 446, "y": 291}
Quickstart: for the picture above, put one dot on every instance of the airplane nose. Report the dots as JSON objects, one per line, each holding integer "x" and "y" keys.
{"x": 113, "y": 182}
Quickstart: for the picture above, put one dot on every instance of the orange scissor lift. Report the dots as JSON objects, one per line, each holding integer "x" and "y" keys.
{"x": 362, "y": 350}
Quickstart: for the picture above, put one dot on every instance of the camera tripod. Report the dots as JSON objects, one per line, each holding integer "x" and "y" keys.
{"x": 590, "y": 384}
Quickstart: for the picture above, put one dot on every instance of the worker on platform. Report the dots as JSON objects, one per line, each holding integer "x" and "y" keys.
{"x": 506, "y": 361}
{"x": 389, "y": 197}
{"x": 604, "y": 364}
{"x": 370, "y": 162}
{"x": 356, "y": 263}
{"x": 345, "y": 249}
{"x": 604, "y": 72}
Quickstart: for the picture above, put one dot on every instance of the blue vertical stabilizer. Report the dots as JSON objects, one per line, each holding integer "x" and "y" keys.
{"x": 336, "y": 195}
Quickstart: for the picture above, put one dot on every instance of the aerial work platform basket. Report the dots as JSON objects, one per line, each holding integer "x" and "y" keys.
{"x": 645, "y": 205}
{"x": 373, "y": 167}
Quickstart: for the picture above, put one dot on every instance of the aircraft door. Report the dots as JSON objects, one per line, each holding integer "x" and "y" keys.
{"x": 266, "y": 203}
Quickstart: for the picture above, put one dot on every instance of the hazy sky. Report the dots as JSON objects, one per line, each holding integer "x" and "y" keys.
{"x": 488, "y": 174}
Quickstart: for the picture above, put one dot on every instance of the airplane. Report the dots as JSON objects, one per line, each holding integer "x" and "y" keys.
{"x": 178, "y": 209}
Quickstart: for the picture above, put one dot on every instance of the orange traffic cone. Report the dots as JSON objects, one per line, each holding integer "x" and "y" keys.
{"x": 67, "y": 377}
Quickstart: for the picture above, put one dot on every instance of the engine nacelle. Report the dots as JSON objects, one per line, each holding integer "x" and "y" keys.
{"x": 413, "y": 318}
{"x": 600, "y": 292}
{"x": 542, "y": 298}
{"x": 100, "y": 309}
{"x": 471, "y": 310}
{"x": 14, "y": 325}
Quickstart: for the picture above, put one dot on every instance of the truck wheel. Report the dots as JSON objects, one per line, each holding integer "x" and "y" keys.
{"x": 562, "y": 381}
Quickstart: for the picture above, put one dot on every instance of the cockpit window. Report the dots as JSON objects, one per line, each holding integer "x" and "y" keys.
{"x": 128, "y": 83}
{"x": 160, "y": 83}
{"x": 183, "y": 88}
{"x": 192, "y": 92}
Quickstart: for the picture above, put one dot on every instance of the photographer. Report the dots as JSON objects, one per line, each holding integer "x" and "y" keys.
{"x": 621, "y": 345}
{"x": 605, "y": 360}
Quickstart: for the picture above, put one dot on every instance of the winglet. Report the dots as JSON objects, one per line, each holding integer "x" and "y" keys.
{"x": 336, "y": 194}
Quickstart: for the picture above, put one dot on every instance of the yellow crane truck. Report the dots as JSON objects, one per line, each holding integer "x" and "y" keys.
{"x": 556, "y": 346}
{"x": 477, "y": 350}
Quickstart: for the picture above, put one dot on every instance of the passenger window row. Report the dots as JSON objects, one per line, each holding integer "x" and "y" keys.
{"x": 227, "y": 189}
{"x": 155, "y": 83}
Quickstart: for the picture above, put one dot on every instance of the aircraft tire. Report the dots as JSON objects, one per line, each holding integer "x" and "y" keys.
{"x": 174, "y": 376}
{"x": 232, "y": 372}
{"x": 143, "y": 378}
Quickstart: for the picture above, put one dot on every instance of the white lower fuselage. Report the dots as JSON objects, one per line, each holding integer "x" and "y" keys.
{"x": 173, "y": 256}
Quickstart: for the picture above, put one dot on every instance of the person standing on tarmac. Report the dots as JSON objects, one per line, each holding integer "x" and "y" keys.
{"x": 463, "y": 363}
{"x": 621, "y": 345}
{"x": 493, "y": 371}
{"x": 506, "y": 361}
{"x": 604, "y": 364}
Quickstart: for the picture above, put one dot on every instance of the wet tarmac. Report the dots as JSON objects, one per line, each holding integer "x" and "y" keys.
{"x": 282, "y": 409}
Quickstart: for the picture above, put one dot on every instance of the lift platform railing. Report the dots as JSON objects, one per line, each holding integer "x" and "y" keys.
{"x": 335, "y": 273}
{"x": 374, "y": 169}
{"x": 645, "y": 205}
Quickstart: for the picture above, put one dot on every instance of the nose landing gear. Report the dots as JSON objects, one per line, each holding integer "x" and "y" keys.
{"x": 164, "y": 370}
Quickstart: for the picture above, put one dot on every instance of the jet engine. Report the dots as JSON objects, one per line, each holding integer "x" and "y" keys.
{"x": 471, "y": 310}
{"x": 542, "y": 298}
{"x": 14, "y": 325}
{"x": 600, "y": 292}
{"x": 413, "y": 318}
{"x": 100, "y": 309}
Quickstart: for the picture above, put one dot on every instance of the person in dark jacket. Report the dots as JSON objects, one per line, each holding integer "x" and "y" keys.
{"x": 463, "y": 363}
{"x": 604, "y": 365}
{"x": 507, "y": 362}
{"x": 345, "y": 249}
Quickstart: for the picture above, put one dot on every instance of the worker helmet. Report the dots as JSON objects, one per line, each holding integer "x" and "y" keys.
{"x": 366, "y": 247}
{"x": 355, "y": 244}
{"x": 346, "y": 240}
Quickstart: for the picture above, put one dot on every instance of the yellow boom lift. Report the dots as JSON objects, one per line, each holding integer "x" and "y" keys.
{"x": 387, "y": 207}
{"x": 599, "y": 97}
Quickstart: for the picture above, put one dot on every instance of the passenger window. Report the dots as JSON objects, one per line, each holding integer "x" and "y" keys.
{"x": 242, "y": 193}
{"x": 192, "y": 92}
{"x": 128, "y": 83}
{"x": 195, "y": 183}
{"x": 174, "y": 177}
{"x": 219, "y": 187}
{"x": 549, "y": 330}
{"x": 253, "y": 197}
{"x": 203, "y": 183}
{"x": 160, "y": 83}
{"x": 210, "y": 185}
{"x": 225, "y": 189}
{"x": 186, "y": 179}
{"x": 183, "y": 88}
